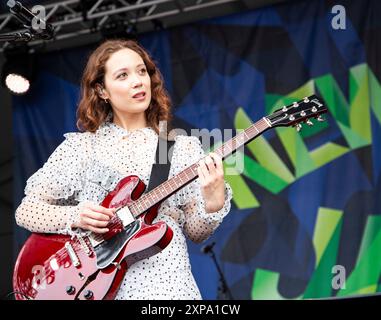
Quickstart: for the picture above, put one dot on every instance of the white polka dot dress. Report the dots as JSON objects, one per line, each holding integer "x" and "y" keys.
{"x": 87, "y": 166}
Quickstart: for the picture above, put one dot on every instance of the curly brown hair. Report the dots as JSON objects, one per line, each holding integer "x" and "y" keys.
{"x": 93, "y": 110}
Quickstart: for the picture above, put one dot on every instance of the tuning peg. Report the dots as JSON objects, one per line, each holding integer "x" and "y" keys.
{"x": 309, "y": 122}
{"x": 298, "y": 127}
{"x": 306, "y": 100}
{"x": 320, "y": 119}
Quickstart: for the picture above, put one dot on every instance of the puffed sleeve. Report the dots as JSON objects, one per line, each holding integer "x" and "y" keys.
{"x": 198, "y": 225}
{"x": 50, "y": 205}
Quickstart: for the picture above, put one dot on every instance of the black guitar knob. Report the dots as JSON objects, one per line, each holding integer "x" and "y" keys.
{"x": 70, "y": 290}
{"x": 88, "y": 294}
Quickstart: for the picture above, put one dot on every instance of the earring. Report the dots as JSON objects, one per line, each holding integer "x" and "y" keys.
{"x": 106, "y": 101}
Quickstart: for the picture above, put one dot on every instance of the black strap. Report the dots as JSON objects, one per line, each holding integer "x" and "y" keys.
{"x": 162, "y": 165}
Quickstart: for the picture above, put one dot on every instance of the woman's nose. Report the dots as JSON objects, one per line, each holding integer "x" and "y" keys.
{"x": 136, "y": 82}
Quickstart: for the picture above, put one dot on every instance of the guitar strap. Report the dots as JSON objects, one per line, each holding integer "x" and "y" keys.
{"x": 160, "y": 168}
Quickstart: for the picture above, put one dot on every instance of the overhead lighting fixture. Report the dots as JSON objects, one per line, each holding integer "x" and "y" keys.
{"x": 17, "y": 73}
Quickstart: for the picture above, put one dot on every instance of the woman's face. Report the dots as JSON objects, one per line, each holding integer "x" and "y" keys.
{"x": 127, "y": 82}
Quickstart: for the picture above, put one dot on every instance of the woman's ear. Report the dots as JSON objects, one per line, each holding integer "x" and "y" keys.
{"x": 101, "y": 91}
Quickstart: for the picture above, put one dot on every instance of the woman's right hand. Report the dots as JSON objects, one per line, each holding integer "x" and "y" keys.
{"x": 94, "y": 218}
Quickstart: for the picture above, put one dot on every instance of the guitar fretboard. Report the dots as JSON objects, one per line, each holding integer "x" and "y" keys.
{"x": 186, "y": 176}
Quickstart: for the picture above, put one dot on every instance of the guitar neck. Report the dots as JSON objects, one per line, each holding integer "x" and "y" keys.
{"x": 169, "y": 187}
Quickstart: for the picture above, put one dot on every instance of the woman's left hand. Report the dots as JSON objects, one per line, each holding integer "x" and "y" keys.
{"x": 211, "y": 174}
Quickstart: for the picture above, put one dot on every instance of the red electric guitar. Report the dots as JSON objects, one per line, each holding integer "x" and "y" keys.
{"x": 52, "y": 266}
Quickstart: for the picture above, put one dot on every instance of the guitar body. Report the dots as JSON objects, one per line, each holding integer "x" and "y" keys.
{"x": 57, "y": 267}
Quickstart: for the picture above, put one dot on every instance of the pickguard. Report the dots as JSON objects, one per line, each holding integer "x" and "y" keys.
{"x": 108, "y": 250}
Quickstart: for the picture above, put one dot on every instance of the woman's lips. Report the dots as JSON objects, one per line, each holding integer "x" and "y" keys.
{"x": 140, "y": 96}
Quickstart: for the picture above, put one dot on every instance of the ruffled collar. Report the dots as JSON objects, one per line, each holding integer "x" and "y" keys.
{"x": 108, "y": 128}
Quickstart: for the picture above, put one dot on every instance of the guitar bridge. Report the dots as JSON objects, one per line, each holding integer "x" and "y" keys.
{"x": 73, "y": 256}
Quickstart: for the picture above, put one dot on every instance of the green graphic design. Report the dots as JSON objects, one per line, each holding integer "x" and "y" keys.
{"x": 352, "y": 118}
{"x": 266, "y": 168}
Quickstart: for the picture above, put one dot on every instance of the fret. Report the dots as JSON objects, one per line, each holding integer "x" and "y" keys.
{"x": 171, "y": 184}
{"x": 227, "y": 149}
{"x": 247, "y": 137}
{"x": 140, "y": 206}
{"x": 179, "y": 177}
{"x": 193, "y": 171}
{"x": 234, "y": 144}
{"x": 161, "y": 192}
{"x": 254, "y": 126}
{"x": 133, "y": 210}
{"x": 186, "y": 174}
{"x": 223, "y": 150}
{"x": 240, "y": 139}
{"x": 131, "y": 207}
{"x": 166, "y": 188}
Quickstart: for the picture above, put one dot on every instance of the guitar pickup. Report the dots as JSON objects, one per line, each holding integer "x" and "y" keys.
{"x": 125, "y": 216}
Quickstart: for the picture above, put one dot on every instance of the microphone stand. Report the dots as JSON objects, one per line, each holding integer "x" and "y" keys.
{"x": 223, "y": 289}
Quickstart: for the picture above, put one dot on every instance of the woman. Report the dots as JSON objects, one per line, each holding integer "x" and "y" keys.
{"x": 123, "y": 103}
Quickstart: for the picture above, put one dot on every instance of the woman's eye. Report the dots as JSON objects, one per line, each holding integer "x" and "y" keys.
{"x": 143, "y": 71}
{"x": 122, "y": 75}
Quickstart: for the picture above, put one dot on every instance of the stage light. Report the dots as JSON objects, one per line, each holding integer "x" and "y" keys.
{"x": 17, "y": 72}
{"x": 17, "y": 84}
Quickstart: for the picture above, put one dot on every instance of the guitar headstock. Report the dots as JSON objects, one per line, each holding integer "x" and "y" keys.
{"x": 298, "y": 112}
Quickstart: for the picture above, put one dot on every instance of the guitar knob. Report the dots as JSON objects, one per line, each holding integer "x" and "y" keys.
{"x": 88, "y": 294}
{"x": 320, "y": 119}
{"x": 70, "y": 290}
{"x": 298, "y": 127}
{"x": 309, "y": 122}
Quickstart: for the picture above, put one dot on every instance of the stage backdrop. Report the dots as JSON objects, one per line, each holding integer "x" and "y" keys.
{"x": 306, "y": 210}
